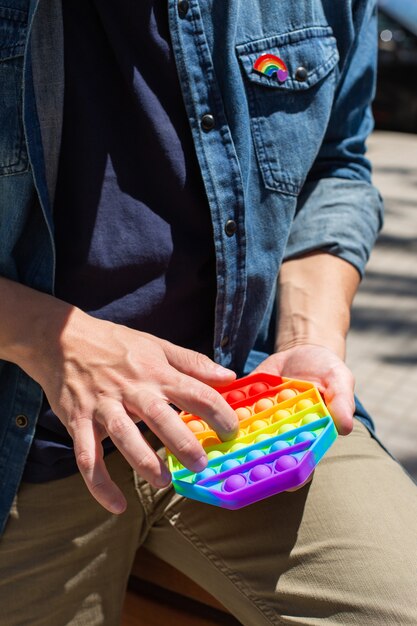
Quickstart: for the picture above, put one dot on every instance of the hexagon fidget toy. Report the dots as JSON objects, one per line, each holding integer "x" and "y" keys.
{"x": 285, "y": 429}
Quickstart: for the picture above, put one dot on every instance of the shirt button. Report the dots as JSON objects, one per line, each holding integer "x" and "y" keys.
{"x": 207, "y": 122}
{"x": 21, "y": 421}
{"x": 183, "y": 6}
{"x": 301, "y": 74}
{"x": 224, "y": 341}
{"x": 230, "y": 228}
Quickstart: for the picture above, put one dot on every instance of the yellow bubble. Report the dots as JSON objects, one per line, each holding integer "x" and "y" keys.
{"x": 281, "y": 414}
{"x": 285, "y": 428}
{"x": 214, "y": 454}
{"x": 304, "y": 404}
{"x": 262, "y": 437}
{"x": 311, "y": 417}
{"x": 257, "y": 425}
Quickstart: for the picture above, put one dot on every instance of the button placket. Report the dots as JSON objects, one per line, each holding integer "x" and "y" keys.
{"x": 214, "y": 143}
{"x": 207, "y": 122}
{"x": 21, "y": 421}
{"x": 230, "y": 228}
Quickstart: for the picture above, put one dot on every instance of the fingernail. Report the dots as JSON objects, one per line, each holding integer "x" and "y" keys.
{"x": 201, "y": 464}
{"x": 117, "y": 507}
{"x": 223, "y": 371}
{"x": 162, "y": 482}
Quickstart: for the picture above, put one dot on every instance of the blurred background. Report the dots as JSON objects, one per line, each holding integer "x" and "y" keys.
{"x": 382, "y": 345}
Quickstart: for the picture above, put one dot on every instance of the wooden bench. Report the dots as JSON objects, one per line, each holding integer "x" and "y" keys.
{"x": 158, "y": 593}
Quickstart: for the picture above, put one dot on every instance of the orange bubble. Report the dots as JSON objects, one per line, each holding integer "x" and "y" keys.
{"x": 263, "y": 404}
{"x": 304, "y": 404}
{"x": 286, "y": 394}
{"x": 210, "y": 441}
{"x": 196, "y": 426}
{"x": 243, "y": 412}
{"x": 281, "y": 414}
{"x": 257, "y": 425}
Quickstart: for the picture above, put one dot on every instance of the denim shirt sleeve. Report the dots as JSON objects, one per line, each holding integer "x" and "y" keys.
{"x": 339, "y": 210}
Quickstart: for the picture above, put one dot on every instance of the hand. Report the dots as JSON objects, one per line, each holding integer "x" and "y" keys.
{"x": 100, "y": 378}
{"x": 326, "y": 370}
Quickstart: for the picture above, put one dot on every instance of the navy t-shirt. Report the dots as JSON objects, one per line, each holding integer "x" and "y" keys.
{"x": 132, "y": 224}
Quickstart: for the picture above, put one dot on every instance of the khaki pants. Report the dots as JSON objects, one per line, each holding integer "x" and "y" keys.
{"x": 342, "y": 550}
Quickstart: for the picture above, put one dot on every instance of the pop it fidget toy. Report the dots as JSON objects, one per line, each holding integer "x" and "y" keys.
{"x": 285, "y": 429}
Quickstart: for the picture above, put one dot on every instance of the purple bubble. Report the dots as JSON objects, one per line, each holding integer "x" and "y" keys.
{"x": 284, "y": 462}
{"x": 260, "y": 472}
{"x": 237, "y": 481}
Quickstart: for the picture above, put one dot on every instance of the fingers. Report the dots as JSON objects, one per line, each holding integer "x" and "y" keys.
{"x": 88, "y": 454}
{"x": 169, "y": 428}
{"x": 199, "y": 399}
{"x": 339, "y": 398}
{"x": 197, "y": 365}
{"x": 125, "y": 435}
{"x": 342, "y": 410}
{"x": 324, "y": 369}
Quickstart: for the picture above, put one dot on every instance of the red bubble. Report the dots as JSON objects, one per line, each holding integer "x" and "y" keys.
{"x": 235, "y": 396}
{"x": 258, "y": 388}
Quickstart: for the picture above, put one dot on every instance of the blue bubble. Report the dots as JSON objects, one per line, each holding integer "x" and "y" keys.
{"x": 279, "y": 445}
{"x": 254, "y": 454}
{"x": 305, "y": 436}
{"x": 229, "y": 464}
{"x": 206, "y": 473}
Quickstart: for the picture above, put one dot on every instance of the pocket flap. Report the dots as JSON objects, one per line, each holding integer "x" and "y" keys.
{"x": 308, "y": 54}
{"x": 13, "y": 23}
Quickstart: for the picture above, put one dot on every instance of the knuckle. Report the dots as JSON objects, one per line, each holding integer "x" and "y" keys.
{"x": 146, "y": 464}
{"x": 155, "y": 411}
{"x": 208, "y": 397}
{"x": 117, "y": 426}
{"x": 98, "y": 488}
{"x": 201, "y": 359}
{"x": 189, "y": 448}
{"x": 85, "y": 461}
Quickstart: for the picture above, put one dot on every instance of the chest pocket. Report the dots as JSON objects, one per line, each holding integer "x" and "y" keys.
{"x": 13, "y": 155}
{"x": 289, "y": 116}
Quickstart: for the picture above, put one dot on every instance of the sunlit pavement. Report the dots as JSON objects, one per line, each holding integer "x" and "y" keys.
{"x": 382, "y": 345}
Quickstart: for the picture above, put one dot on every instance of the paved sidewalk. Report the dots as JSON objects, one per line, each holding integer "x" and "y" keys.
{"x": 382, "y": 345}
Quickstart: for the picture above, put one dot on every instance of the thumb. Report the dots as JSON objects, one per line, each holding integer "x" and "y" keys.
{"x": 339, "y": 398}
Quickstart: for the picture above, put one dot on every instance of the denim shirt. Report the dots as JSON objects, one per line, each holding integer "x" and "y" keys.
{"x": 283, "y": 163}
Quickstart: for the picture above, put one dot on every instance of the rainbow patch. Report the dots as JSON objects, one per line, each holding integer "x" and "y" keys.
{"x": 270, "y": 64}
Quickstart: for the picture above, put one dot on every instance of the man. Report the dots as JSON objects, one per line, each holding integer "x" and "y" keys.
{"x": 155, "y": 176}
